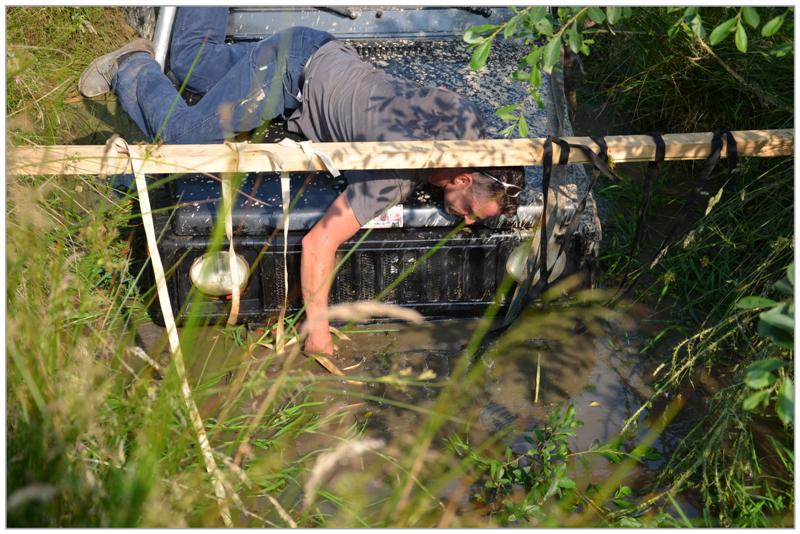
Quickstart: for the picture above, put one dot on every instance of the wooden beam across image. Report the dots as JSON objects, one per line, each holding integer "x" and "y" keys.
{"x": 247, "y": 157}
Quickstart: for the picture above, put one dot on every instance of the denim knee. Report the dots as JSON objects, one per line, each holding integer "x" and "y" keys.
{"x": 311, "y": 39}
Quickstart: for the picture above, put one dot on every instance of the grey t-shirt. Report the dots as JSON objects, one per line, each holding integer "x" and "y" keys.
{"x": 346, "y": 99}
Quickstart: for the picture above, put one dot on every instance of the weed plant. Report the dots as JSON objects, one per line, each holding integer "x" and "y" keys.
{"x": 740, "y": 244}
{"x": 99, "y": 433}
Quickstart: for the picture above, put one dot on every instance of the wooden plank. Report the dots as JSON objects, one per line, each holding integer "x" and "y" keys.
{"x": 163, "y": 159}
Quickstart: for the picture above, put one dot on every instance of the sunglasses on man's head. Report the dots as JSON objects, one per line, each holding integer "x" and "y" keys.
{"x": 510, "y": 190}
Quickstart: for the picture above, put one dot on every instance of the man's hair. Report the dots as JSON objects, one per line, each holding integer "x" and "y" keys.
{"x": 488, "y": 189}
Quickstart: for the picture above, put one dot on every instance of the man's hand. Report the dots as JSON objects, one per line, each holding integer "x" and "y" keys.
{"x": 316, "y": 270}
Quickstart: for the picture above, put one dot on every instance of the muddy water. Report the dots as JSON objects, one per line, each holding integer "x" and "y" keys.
{"x": 603, "y": 376}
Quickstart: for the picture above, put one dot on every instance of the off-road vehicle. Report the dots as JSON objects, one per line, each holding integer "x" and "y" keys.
{"x": 461, "y": 278}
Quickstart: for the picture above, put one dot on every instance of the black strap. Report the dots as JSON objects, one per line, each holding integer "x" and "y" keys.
{"x": 647, "y": 194}
{"x": 599, "y": 167}
{"x": 691, "y": 199}
{"x": 547, "y": 169}
{"x": 601, "y": 142}
{"x": 731, "y": 151}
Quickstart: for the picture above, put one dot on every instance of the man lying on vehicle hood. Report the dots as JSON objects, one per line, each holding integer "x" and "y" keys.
{"x": 325, "y": 92}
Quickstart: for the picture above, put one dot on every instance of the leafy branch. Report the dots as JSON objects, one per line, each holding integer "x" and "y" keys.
{"x": 546, "y": 32}
{"x": 777, "y": 324}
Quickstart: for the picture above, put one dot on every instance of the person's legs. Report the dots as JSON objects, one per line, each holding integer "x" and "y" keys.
{"x": 199, "y": 32}
{"x": 124, "y": 85}
{"x": 262, "y": 85}
{"x": 153, "y": 102}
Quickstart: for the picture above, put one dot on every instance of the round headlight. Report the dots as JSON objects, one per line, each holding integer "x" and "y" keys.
{"x": 211, "y": 274}
{"x": 517, "y": 262}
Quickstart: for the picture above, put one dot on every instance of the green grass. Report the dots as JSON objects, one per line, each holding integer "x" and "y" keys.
{"x": 97, "y": 437}
{"x": 46, "y": 52}
{"x": 741, "y": 247}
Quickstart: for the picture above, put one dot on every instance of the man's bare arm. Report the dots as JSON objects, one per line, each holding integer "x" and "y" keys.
{"x": 316, "y": 269}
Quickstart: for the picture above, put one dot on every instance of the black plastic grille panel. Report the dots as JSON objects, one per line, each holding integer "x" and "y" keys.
{"x": 460, "y": 278}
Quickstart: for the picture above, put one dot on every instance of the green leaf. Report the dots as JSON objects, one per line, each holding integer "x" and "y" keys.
{"x": 552, "y": 53}
{"x": 772, "y": 27}
{"x": 522, "y": 126}
{"x": 784, "y": 287}
{"x": 748, "y": 303}
{"x": 697, "y": 27}
{"x": 779, "y": 318}
{"x": 506, "y": 112}
{"x": 537, "y": 97}
{"x": 782, "y": 50}
{"x": 759, "y": 379}
{"x": 652, "y": 454}
{"x": 596, "y": 14}
{"x": 536, "y": 76}
{"x": 626, "y": 12}
{"x": 566, "y": 483}
{"x": 690, "y": 12}
{"x": 534, "y": 56}
{"x": 741, "y": 38}
{"x": 751, "y": 16}
{"x": 623, "y": 491}
{"x": 520, "y": 76}
{"x": 778, "y": 336}
{"x": 767, "y": 364}
{"x": 574, "y": 38}
{"x": 569, "y": 415}
{"x": 790, "y": 273}
{"x": 756, "y": 399}
{"x": 722, "y": 31}
{"x": 784, "y": 407}
{"x": 613, "y": 14}
{"x": 673, "y": 30}
{"x": 630, "y": 522}
{"x": 475, "y": 34}
{"x": 507, "y": 131}
{"x": 480, "y": 55}
{"x": 544, "y": 27}
{"x": 622, "y": 504}
{"x": 537, "y": 13}
{"x": 511, "y": 27}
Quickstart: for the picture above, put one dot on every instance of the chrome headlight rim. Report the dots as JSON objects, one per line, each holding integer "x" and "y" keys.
{"x": 210, "y": 273}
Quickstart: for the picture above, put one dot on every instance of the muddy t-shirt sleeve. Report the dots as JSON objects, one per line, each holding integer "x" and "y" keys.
{"x": 370, "y": 193}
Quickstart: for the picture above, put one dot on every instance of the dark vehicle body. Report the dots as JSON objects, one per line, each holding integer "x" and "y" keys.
{"x": 462, "y": 275}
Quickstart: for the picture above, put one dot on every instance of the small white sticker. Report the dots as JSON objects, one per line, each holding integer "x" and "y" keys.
{"x": 392, "y": 218}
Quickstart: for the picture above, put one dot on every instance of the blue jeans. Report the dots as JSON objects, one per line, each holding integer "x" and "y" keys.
{"x": 243, "y": 84}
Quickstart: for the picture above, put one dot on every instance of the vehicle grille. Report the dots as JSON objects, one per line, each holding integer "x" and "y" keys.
{"x": 460, "y": 278}
{"x": 463, "y": 273}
